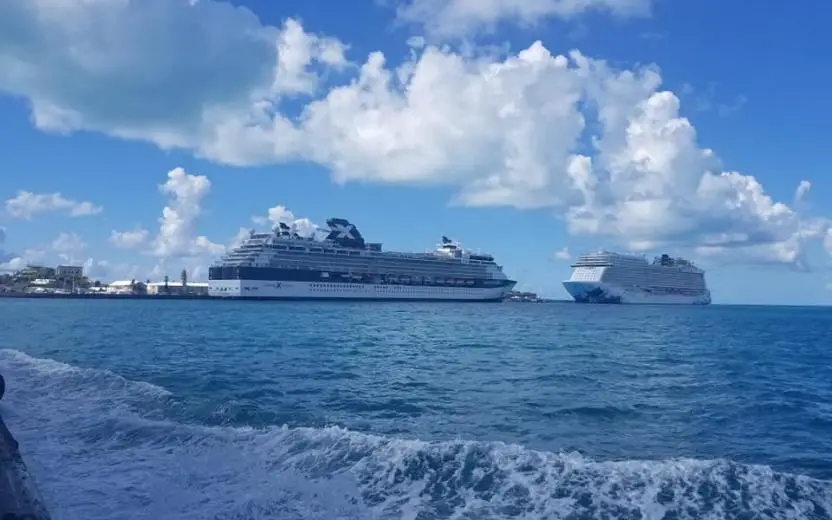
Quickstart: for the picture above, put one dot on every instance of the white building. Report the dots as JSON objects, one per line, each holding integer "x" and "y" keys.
{"x": 120, "y": 287}
{"x": 41, "y": 285}
{"x": 193, "y": 288}
{"x": 69, "y": 271}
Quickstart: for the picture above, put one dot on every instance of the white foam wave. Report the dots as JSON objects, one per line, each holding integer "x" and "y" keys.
{"x": 50, "y": 373}
{"x": 96, "y": 457}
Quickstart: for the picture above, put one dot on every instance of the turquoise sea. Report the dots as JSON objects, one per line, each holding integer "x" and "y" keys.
{"x": 143, "y": 409}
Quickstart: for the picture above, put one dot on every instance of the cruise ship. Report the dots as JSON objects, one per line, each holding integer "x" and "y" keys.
{"x": 283, "y": 265}
{"x": 606, "y": 277}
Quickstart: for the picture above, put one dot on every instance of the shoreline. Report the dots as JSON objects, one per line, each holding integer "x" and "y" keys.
{"x": 54, "y": 296}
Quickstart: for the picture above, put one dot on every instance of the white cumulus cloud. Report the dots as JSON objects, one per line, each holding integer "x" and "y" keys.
{"x": 650, "y": 185}
{"x": 503, "y": 130}
{"x": 97, "y": 269}
{"x": 176, "y": 225}
{"x": 563, "y": 254}
{"x": 26, "y": 205}
{"x": 203, "y": 76}
{"x": 175, "y": 238}
{"x": 606, "y": 148}
{"x": 302, "y": 226}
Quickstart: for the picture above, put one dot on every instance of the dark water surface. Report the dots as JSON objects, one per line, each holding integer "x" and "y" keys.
{"x": 203, "y": 409}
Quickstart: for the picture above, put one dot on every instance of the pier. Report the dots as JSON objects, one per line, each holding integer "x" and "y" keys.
{"x": 19, "y": 500}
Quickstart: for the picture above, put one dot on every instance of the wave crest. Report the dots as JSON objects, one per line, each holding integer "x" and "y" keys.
{"x": 100, "y": 448}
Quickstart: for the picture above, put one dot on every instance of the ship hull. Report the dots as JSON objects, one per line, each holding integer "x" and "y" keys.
{"x": 297, "y": 290}
{"x": 600, "y": 292}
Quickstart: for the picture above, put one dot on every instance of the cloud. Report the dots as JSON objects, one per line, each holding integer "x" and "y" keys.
{"x": 503, "y": 130}
{"x": 802, "y": 190}
{"x": 196, "y": 268}
{"x": 827, "y": 241}
{"x": 302, "y": 226}
{"x": 458, "y": 18}
{"x": 175, "y": 238}
{"x": 68, "y": 243}
{"x": 239, "y": 237}
{"x": 725, "y": 110}
{"x": 705, "y": 100}
{"x": 13, "y": 264}
{"x": 651, "y": 186}
{"x": 132, "y": 239}
{"x": 275, "y": 216}
{"x": 96, "y": 269}
{"x": 185, "y": 193}
{"x": 4, "y": 256}
{"x": 605, "y": 147}
{"x": 68, "y": 246}
{"x": 508, "y": 132}
{"x": 30, "y": 256}
{"x": 27, "y": 204}
{"x": 106, "y": 271}
{"x": 196, "y": 75}
{"x": 563, "y": 254}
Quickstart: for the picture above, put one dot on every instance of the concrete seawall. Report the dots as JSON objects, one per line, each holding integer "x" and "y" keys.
{"x": 19, "y": 500}
{"x": 52, "y": 296}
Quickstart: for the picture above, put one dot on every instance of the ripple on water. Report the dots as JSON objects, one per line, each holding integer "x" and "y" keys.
{"x": 475, "y": 413}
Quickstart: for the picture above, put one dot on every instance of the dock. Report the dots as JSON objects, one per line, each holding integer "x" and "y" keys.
{"x": 19, "y": 499}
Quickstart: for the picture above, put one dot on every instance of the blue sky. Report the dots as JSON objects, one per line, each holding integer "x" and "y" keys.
{"x": 467, "y": 127}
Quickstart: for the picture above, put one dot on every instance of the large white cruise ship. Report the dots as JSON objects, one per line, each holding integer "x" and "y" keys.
{"x": 606, "y": 277}
{"x": 284, "y": 265}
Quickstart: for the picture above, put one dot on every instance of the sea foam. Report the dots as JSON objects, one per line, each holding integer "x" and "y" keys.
{"x": 102, "y": 446}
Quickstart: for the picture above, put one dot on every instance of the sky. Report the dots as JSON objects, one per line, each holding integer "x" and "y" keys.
{"x": 140, "y": 137}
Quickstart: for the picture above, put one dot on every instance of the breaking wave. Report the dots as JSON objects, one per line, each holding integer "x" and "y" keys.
{"x": 102, "y": 446}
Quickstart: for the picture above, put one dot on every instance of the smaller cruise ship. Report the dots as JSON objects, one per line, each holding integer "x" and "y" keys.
{"x": 607, "y": 277}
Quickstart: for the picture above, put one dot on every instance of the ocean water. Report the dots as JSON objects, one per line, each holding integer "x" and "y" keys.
{"x": 236, "y": 410}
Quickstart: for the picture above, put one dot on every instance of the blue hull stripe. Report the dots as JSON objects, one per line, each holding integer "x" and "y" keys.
{"x": 355, "y": 300}
{"x": 316, "y": 276}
